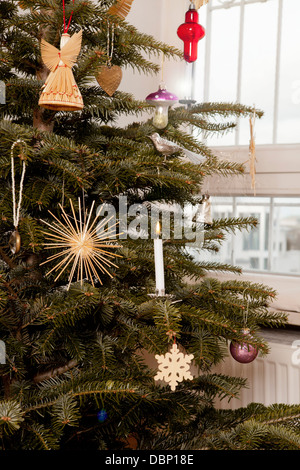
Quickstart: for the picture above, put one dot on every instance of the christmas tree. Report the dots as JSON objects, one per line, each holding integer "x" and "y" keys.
{"x": 79, "y": 317}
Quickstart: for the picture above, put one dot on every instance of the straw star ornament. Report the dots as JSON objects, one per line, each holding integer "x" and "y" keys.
{"x": 85, "y": 246}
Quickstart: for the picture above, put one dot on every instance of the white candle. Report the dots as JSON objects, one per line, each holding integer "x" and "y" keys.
{"x": 159, "y": 263}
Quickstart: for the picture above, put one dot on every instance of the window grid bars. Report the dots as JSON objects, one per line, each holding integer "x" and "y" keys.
{"x": 242, "y": 4}
{"x": 240, "y": 65}
{"x": 271, "y": 239}
{"x": 233, "y": 254}
{"x": 277, "y": 70}
{"x": 272, "y": 204}
{"x": 233, "y": 3}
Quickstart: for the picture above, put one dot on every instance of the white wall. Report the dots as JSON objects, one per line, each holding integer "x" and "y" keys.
{"x": 274, "y": 378}
{"x": 160, "y": 19}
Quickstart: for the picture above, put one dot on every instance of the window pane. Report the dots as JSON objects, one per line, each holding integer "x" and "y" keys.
{"x": 197, "y": 91}
{"x": 286, "y": 240}
{"x": 289, "y": 92}
{"x": 250, "y": 201}
{"x": 250, "y": 247}
{"x": 224, "y": 37}
{"x": 258, "y": 68}
{"x": 287, "y": 201}
{"x": 221, "y": 208}
{"x": 224, "y": 54}
{"x": 215, "y": 3}
{"x": 258, "y": 249}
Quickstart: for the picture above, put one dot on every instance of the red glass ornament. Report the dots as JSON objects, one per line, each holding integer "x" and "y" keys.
{"x": 191, "y": 32}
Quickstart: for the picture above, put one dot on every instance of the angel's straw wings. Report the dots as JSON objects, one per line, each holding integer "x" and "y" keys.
{"x": 51, "y": 55}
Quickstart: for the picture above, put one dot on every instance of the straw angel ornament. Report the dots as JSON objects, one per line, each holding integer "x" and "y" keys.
{"x": 60, "y": 91}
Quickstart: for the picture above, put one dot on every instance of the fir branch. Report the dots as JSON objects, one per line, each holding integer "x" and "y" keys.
{"x": 231, "y": 224}
{"x": 6, "y": 258}
{"x": 41, "y": 377}
{"x": 225, "y": 109}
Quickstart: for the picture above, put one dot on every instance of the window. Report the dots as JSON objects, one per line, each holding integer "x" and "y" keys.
{"x": 274, "y": 246}
{"x": 251, "y": 54}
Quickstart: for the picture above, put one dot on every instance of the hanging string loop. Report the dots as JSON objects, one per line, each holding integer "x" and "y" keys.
{"x": 110, "y": 42}
{"x": 17, "y": 207}
{"x": 245, "y": 313}
{"x": 66, "y": 27}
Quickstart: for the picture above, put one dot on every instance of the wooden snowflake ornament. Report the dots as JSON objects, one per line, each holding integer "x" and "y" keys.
{"x": 174, "y": 367}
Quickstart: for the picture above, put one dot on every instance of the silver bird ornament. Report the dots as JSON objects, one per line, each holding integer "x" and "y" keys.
{"x": 167, "y": 148}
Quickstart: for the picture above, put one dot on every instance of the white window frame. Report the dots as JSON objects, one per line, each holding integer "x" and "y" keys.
{"x": 272, "y": 203}
{"x": 277, "y": 171}
{"x": 242, "y": 4}
{"x": 277, "y": 165}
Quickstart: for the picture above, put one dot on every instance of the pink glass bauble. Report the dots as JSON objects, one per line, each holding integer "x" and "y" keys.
{"x": 243, "y": 352}
{"x": 191, "y": 32}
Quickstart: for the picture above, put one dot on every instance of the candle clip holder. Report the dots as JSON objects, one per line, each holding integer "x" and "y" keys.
{"x": 161, "y": 295}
